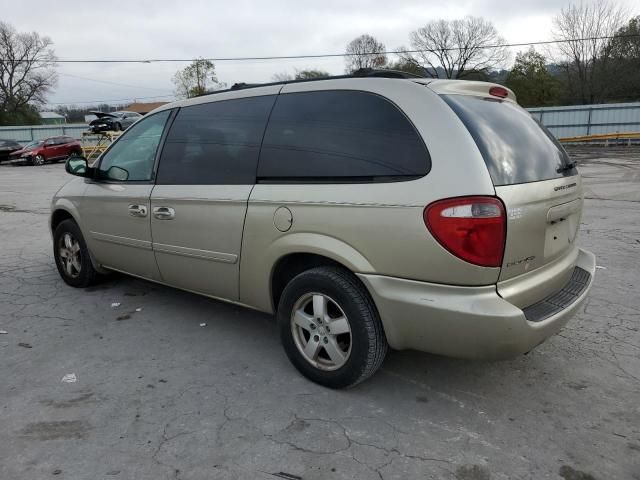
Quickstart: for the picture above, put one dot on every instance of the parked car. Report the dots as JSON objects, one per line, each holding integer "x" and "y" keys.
{"x": 53, "y": 149}
{"x": 7, "y": 147}
{"x": 366, "y": 213}
{"x": 114, "y": 121}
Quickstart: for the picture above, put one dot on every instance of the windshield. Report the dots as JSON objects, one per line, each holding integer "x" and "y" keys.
{"x": 515, "y": 147}
{"x": 33, "y": 144}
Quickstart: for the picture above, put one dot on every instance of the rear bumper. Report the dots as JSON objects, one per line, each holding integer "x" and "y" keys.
{"x": 466, "y": 322}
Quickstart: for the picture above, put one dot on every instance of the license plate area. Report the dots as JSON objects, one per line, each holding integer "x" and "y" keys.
{"x": 562, "y": 229}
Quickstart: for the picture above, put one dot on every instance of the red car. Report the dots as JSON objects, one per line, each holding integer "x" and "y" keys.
{"x": 51, "y": 149}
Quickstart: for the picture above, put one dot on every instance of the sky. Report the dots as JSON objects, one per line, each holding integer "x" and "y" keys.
{"x": 148, "y": 29}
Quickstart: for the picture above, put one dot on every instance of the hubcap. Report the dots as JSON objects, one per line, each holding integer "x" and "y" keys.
{"x": 321, "y": 331}
{"x": 70, "y": 255}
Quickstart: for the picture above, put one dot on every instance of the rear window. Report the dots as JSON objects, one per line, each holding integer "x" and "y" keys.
{"x": 515, "y": 147}
{"x": 340, "y": 136}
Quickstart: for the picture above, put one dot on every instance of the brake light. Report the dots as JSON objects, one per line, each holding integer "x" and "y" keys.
{"x": 472, "y": 228}
{"x": 499, "y": 92}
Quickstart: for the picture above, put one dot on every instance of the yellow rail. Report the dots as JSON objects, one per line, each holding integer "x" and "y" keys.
{"x": 102, "y": 139}
{"x": 92, "y": 150}
{"x": 602, "y": 136}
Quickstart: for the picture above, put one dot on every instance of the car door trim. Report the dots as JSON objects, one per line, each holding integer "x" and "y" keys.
{"x": 196, "y": 253}
{"x": 129, "y": 242}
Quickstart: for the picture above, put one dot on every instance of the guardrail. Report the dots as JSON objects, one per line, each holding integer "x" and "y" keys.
{"x": 603, "y": 137}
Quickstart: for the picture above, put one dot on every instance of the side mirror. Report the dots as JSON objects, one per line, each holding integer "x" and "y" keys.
{"x": 77, "y": 166}
{"x": 117, "y": 173}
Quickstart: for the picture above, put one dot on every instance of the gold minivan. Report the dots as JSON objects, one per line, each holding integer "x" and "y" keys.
{"x": 366, "y": 212}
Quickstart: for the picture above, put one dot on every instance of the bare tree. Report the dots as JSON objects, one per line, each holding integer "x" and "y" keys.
{"x": 586, "y": 61}
{"x": 365, "y": 52}
{"x": 310, "y": 74}
{"x": 457, "y": 48}
{"x": 282, "y": 77}
{"x": 196, "y": 79}
{"x": 26, "y": 70}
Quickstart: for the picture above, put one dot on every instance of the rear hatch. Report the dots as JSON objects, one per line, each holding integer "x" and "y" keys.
{"x": 102, "y": 114}
{"x": 539, "y": 186}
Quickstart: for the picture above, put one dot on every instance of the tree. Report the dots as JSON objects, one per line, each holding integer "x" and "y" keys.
{"x": 310, "y": 74}
{"x": 307, "y": 74}
{"x": 624, "y": 74}
{"x": 26, "y": 74}
{"x": 460, "y": 47}
{"x": 586, "y": 62}
{"x": 403, "y": 65}
{"x": 364, "y": 52}
{"x": 282, "y": 77}
{"x": 531, "y": 81}
{"x": 196, "y": 79}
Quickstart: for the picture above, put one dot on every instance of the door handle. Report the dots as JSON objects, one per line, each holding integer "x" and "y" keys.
{"x": 137, "y": 210}
{"x": 164, "y": 213}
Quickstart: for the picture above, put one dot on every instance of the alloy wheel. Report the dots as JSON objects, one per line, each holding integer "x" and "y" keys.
{"x": 321, "y": 331}
{"x": 70, "y": 255}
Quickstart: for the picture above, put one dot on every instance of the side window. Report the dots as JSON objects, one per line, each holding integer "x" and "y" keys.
{"x": 131, "y": 158}
{"x": 215, "y": 143}
{"x": 340, "y": 135}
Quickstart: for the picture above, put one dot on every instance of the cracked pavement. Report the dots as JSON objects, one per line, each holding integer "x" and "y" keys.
{"x": 159, "y": 397}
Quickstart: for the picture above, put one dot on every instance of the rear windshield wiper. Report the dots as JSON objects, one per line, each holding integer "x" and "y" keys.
{"x": 566, "y": 167}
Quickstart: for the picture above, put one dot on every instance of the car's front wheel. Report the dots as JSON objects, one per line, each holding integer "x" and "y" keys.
{"x": 38, "y": 160}
{"x": 72, "y": 256}
{"x": 330, "y": 328}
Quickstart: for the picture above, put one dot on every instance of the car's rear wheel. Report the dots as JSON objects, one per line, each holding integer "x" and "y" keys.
{"x": 330, "y": 328}
{"x": 38, "y": 160}
{"x": 72, "y": 256}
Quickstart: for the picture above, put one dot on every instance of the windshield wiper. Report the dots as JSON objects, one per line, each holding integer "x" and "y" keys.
{"x": 567, "y": 167}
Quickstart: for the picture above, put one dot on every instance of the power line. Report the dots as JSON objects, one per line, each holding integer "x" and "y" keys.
{"x": 112, "y": 83}
{"x": 95, "y": 102}
{"x": 329, "y": 55}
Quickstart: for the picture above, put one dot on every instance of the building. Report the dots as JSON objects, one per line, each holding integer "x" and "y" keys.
{"x": 52, "y": 118}
{"x": 144, "y": 108}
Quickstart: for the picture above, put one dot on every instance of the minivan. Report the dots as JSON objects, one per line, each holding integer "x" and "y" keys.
{"x": 365, "y": 212}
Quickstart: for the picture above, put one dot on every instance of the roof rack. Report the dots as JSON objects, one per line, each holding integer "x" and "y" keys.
{"x": 361, "y": 73}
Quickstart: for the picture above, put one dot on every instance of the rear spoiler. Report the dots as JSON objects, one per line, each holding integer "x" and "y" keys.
{"x": 468, "y": 87}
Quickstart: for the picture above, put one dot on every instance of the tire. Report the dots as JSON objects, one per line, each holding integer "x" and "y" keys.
{"x": 83, "y": 276}
{"x": 362, "y": 350}
{"x": 38, "y": 160}
{"x": 118, "y": 127}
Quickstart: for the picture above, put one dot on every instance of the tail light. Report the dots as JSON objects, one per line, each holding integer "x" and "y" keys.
{"x": 472, "y": 228}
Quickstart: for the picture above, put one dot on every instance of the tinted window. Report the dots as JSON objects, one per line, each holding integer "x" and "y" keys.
{"x": 515, "y": 147}
{"x": 340, "y": 135}
{"x": 215, "y": 143}
{"x": 132, "y": 156}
